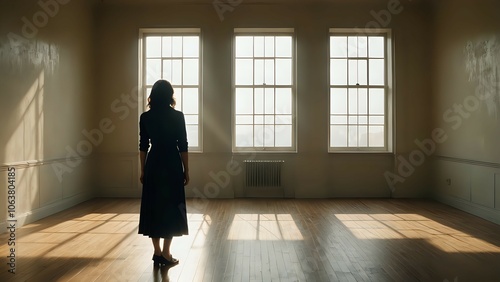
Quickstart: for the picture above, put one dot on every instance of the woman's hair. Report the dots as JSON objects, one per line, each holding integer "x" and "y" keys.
{"x": 162, "y": 95}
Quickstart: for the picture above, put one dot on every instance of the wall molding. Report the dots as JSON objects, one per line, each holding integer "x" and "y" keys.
{"x": 467, "y": 161}
{"x": 34, "y": 163}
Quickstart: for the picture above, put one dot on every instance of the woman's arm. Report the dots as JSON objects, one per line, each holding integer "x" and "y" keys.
{"x": 142, "y": 156}
{"x": 185, "y": 163}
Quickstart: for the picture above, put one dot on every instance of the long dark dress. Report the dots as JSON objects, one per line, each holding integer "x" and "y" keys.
{"x": 163, "y": 203}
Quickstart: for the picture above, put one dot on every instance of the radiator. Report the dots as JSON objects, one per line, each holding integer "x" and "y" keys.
{"x": 263, "y": 173}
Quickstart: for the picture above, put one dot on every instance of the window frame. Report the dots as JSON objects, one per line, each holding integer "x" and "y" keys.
{"x": 142, "y": 89}
{"x": 389, "y": 89}
{"x": 265, "y": 32}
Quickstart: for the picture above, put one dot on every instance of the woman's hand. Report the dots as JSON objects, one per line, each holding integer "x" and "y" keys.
{"x": 186, "y": 178}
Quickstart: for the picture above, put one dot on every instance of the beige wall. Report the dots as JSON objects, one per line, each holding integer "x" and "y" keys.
{"x": 311, "y": 172}
{"x": 46, "y": 89}
{"x": 467, "y": 68}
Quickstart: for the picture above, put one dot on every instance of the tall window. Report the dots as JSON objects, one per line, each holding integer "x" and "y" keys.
{"x": 264, "y": 99}
{"x": 174, "y": 55}
{"x": 360, "y": 91}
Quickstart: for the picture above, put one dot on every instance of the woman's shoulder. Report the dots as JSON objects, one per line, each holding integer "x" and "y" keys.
{"x": 177, "y": 112}
{"x": 145, "y": 114}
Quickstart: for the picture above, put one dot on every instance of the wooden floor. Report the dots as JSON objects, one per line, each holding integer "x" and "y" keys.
{"x": 263, "y": 240}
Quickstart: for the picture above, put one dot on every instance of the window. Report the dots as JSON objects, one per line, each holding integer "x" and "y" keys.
{"x": 360, "y": 91}
{"x": 174, "y": 55}
{"x": 264, "y": 103}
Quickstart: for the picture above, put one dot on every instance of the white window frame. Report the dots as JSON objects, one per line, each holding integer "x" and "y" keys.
{"x": 265, "y": 32}
{"x": 143, "y": 33}
{"x": 389, "y": 87}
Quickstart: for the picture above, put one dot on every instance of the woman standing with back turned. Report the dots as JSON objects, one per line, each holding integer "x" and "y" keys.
{"x": 164, "y": 172}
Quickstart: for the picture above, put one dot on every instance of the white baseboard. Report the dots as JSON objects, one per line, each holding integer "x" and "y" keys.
{"x": 37, "y": 214}
{"x": 489, "y": 214}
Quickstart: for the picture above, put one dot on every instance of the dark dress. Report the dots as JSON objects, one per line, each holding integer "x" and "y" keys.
{"x": 163, "y": 203}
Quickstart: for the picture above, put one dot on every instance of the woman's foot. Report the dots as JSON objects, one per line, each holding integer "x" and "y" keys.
{"x": 161, "y": 260}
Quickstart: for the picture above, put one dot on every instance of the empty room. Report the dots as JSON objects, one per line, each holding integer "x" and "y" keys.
{"x": 250, "y": 140}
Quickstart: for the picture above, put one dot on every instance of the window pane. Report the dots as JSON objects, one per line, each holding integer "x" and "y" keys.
{"x": 259, "y": 100}
{"x": 284, "y": 46}
{"x": 191, "y": 46}
{"x": 353, "y": 101}
{"x": 377, "y": 101}
{"x": 283, "y": 135}
{"x": 338, "y": 72}
{"x": 244, "y": 72}
{"x": 269, "y": 101}
{"x": 176, "y": 46}
{"x": 376, "y": 45}
{"x": 244, "y": 135}
{"x": 244, "y": 119}
{"x": 153, "y": 70}
{"x": 353, "y": 136}
{"x": 338, "y": 120}
{"x": 363, "y": 120}
{"x": 363, "y": 136}
{"x": 376, "y": 136}
{"x": 338, "y": 101}
{"x": 153, "y": 46}
{"x": 167, "y": 46}
{"x": 269, "y": 119}
{"x": 377, "y": 120}
{"x": 190, "y": 100}
{"x": 353, "y": 120}
{"x": 283, "y": 101}
{"x": 269, "y": 46}
{"x": 259, "y": 136}
{"x": 338, "y": 46}
{"x": 167, "y": 70}
{"x": 259, "y": 72}
{"x": 258, "y": 46}
{"x": 352, "y": 46}
{"x": 362, "y": 101}
{"x": 191, "y": 119}
{"x": 377, "y": 76}
{"x": 244, "y": 46}
{"x": 338, "y": 136}
{"x": 244, "y": 101}
{"x": 362, "y": 46}
{"x": 358, "y": 72}
{"x": 176, "y": 72}
{"x": 192, "y": 135}
{"x": 269, "y": 135}
{"x": 190, "y": 71}
{"x": 259, "y": 119}
{"x": 283, "y": 71}
{"x": 283, "y": 119}
{"x": 269, "y": 72}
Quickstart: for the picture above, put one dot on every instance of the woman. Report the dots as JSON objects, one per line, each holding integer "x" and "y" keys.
{"x": 164, "y": 172}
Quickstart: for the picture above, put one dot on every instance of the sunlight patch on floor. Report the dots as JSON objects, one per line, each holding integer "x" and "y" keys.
{"x": 414, "y": 226}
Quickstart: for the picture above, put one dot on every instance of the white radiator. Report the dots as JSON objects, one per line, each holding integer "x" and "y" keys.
{"x": 263, "y": 173}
